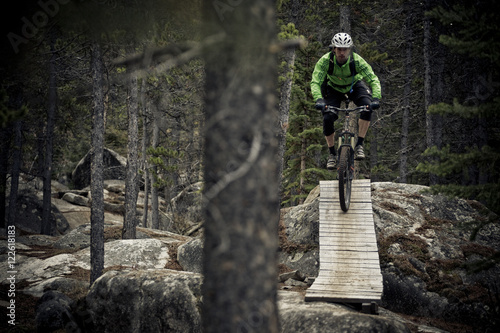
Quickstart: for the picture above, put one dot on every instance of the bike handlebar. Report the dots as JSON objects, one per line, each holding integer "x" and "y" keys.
{"x": 334, "y": 109}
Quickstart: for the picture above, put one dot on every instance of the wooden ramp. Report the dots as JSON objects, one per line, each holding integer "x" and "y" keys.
{"x": 348, "y": 254}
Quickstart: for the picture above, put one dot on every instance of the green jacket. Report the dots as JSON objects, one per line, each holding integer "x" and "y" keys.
{"x": 341, "y": 79}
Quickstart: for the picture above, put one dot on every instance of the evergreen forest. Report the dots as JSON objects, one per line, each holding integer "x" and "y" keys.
{"x": 217, "y": 93}
{"x": 138, "y": 66}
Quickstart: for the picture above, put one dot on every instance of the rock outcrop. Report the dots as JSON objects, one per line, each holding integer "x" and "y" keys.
{"x": 145, "y": 301}
{"x": 300, "y": 317}
{"x": 53, "y": 312}
{"x": 190, "y": 255}
{"x": 439, "y": 259}
{"x": 28, "y": 215}
{"x": 169, "y": 301}
{"x": 439, "y": 255}
{"x": 114, "y": 168}
{"x": 42, "y": 272}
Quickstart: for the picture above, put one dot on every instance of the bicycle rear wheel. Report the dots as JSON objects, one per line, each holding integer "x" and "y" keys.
{"x": 345, "y": 180}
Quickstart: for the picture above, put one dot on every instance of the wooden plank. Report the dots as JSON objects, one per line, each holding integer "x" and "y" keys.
{"x": 362, "y": 220}
{"x": 347, "y": 232}
{"x": 351, "y": 288}
{"x": 340, "y": 289}
{"x": 362, "y": 281}
{"x": 356, "y": 192}
{"x": 351, "y": 246}
{"x": 343, "y": 229}
{"x": 365, "y": 280}
{"x": 355, "y": 286}
{"x": 352, "y": 212}
{"x": 331, "y": 257}
{"x": 330, "y": 260}
{"x": 359, "y": 228}
{"x": 354, "y": 257}
{"x": 342, "y": 297}
{"x": 345, "y": 267}
{"x": 349, "y": 261}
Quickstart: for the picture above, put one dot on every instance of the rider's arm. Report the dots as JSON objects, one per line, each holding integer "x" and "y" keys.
{"x": 318, "y": 76}
{"x": 369, "y": 76}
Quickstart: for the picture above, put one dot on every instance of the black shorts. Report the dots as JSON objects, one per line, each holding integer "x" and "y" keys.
{"x": 360, "y": 95}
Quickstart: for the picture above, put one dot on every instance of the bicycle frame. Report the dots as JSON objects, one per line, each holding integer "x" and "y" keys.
{"x": 346, "y": 137}
{"x": 345, "y": 169}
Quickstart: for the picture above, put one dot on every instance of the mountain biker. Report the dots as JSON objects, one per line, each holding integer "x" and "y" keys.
{"x": 339, "y": 73}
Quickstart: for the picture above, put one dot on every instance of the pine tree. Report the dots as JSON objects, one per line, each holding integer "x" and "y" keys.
{"x": 472, "y": 169}
{"x": 306, "y": 153}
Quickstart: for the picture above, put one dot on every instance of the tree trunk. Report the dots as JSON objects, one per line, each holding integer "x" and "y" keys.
{"x": 303, "y": 154}
{"x": 145, "y": 140}
{"x": 131, "y": 192}
{"x": 403, "y": 162}
{"x": 374, "y": 147}
{"x": 241, "y": 170}
{"x": 47, "y": 227}
{"x": 16, "y": 169}
{"x": 345, "y": 19}
{"x": 155, "y": 224}
{"x": 284, "y": 108}
{"x": 97, "y": 166}
{"x": 430, "y": 136}
{"x": 5, "y": 135}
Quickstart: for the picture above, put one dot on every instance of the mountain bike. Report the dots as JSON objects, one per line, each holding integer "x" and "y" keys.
{"x": 345, "y": 165}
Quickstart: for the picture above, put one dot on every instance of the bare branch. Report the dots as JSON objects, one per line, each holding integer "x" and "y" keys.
{"x": 288, "y": 44}
{"x": 238, "y": 173}
{"x": 181, "y": 55}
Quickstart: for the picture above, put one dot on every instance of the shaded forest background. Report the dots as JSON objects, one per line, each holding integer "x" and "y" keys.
{"x": 162, "y": 82}
{"x": 437, "y": 62}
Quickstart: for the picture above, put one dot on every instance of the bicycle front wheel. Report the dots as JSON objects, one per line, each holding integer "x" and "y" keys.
{"x": 345, "y": 180}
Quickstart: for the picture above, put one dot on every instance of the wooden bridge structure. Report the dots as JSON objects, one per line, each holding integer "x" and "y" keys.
{"x": 348, "y": 253}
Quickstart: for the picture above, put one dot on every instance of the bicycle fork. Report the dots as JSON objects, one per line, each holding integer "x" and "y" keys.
{"x": 346, "y": 141}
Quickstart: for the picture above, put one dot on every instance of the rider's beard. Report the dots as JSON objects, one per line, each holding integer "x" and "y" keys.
{"x": 341, "y": 59}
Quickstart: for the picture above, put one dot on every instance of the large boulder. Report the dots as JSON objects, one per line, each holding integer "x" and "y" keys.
{"x": 74, "y": 214}
{"x": 131, "y": 253}
{"x": 145, "y": 301}
{"x": 190, "y": 255}
{"x": 302, "y": 223}
{"x": 305, "y": 261}
{"x": 300, "y": 238}
{"x": 114, "y": 168}
{"x": 169, "y": 301}
{"x": 438, "y": 254}
{"x": 53, "y": 312}
{"x": 298, "y": 316}
{"x": 28, "y": 215}
{"x": 185, "y": 208}
{"x": 137, "y": 253}
{"x": 78, "y": 238}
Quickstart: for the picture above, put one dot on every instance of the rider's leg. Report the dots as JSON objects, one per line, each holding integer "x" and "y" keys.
{"x": 329, "y": 132}
{"x": 332, "y": 98}
{"x": 363, "y": 126}
{"x": 361, "y": 95}
{"x": 330, "y": 142}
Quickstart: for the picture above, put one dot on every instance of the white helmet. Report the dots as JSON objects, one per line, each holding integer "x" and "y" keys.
{"x": 341, "y": 40}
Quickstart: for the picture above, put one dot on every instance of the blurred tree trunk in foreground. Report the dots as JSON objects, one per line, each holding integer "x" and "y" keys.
{"x": 241, "y": 169}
